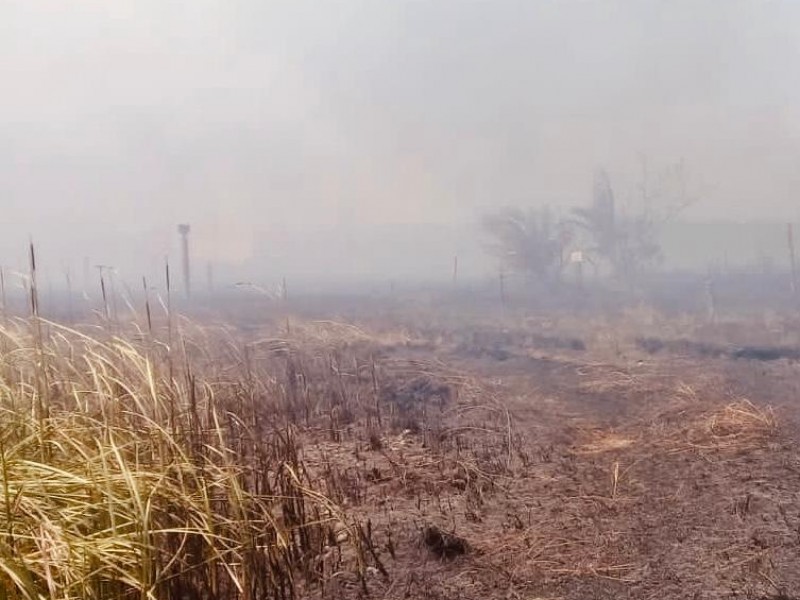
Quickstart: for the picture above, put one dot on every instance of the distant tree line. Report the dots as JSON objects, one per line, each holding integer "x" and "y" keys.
{"x": 622, "y": 243}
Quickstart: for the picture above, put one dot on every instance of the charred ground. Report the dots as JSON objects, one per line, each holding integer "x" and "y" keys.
{"x": 560, "y": 458}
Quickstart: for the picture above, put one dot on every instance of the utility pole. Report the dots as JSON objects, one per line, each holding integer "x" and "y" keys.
{"x": 183, "y": 230}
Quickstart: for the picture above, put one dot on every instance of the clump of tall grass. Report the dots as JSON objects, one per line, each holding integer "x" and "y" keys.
{"x": 125, "y": 473}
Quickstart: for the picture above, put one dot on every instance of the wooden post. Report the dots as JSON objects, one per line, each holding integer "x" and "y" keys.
{"x": 502, "y": 287}
{"x": 455, "y": 270}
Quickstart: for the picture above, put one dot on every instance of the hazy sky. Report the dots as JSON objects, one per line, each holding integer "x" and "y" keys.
{"x": 125, "y": 116}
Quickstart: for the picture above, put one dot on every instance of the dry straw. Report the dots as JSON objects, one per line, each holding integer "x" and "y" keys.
{"x": 124, "y": 475}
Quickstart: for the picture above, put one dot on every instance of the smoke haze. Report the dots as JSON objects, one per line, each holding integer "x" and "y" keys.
{"x": 260, "y": 120}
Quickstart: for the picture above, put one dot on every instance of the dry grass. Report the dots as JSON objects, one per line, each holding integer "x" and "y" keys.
{"x": 738, "y": 425}
{"x": 324, "y": 460}
{"x": 134, "y": 470}
{"x": 606, "y": 442}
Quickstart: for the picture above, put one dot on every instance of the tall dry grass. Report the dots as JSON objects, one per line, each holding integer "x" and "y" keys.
{"x": 131, "y": 469}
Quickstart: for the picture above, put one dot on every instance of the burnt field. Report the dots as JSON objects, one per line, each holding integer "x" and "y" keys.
{"x": 402, "y": 451}
{"x": 516, "y": 455}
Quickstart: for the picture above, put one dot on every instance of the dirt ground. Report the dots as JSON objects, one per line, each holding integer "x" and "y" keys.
{"x": 552, "y": 465}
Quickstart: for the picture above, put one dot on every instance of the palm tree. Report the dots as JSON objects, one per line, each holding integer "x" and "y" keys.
{"x": 527, "y": 241}
{"x": 599, "y": 220}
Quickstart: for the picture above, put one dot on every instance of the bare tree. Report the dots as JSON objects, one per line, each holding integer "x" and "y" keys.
{"x": 629, "y": 243}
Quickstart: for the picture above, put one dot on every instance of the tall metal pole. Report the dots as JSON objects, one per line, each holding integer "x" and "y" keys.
{"x": 183, "y": 230}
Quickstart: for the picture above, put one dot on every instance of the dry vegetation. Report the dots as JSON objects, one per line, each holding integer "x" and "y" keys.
{"x": 134, "y": 470}
{"x": 514, "y": 459}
